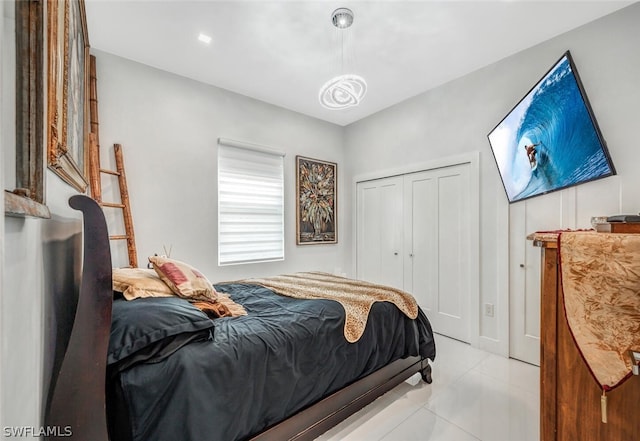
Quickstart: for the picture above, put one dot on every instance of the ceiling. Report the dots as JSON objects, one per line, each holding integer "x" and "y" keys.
{"x": 282, "y": 52}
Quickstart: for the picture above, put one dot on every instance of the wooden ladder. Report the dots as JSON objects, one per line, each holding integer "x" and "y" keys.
{"x": 96, "y": 172}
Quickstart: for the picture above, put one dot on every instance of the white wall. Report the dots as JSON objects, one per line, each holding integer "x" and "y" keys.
{"x": 169, "y": 126}
{"x": 42, "y": 270}
{"x": 2, "y": 178}
{"x": 456, "y": 118}
{"x": 40, "y": 273}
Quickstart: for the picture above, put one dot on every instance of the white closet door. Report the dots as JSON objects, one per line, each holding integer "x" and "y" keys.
{"x": 379, "y": 231}
{"x": 535, "y": 214}
{"x": 437, "y": 246}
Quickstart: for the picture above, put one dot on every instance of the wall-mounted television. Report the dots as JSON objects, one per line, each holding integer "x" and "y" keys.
{"x": 550, "y": 140}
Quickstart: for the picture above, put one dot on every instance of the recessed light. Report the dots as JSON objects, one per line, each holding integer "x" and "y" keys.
{"x": 204, "y": 38}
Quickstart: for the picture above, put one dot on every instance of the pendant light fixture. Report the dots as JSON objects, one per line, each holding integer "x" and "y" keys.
{"x": 345, "y": 90}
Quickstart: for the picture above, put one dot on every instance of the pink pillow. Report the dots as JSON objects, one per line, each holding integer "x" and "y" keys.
{"x": 183, "y": 279}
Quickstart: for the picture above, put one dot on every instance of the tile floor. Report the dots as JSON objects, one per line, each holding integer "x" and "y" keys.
{"x": 475, "y": 395}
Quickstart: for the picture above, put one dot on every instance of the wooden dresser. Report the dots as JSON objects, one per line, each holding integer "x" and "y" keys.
{"x": 569, "y": 395}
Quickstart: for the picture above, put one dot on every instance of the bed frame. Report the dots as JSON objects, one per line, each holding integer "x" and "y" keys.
{"x": 78, "y": 401}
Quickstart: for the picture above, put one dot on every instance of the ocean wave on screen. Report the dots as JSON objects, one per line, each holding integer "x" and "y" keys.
{"x": 569, "y": 150}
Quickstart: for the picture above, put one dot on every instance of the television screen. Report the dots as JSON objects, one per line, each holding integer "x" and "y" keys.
{"x": 550, "y": 140}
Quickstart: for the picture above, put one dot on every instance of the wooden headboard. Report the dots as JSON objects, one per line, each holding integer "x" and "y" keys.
{"x": 78, "y": 402}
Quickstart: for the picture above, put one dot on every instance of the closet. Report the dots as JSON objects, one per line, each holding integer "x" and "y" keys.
{"x": 413, "y": 232}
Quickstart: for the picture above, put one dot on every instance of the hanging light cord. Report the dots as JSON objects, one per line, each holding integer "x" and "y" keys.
{"x": 345, "y": 90}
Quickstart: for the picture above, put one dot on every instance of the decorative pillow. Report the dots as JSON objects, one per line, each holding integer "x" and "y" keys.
{"x": 140, "y": 323}
{"x": 183, "y": 279}
{"x": 136, "y": 283}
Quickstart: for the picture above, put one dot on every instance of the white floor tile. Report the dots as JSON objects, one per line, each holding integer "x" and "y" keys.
{"x": 424, "y": 425}
{"x": 454, "y": 354}
{"x": 489, "y": 409}
{"x": 453, "y": 359}
{"x": 511, "y": 371}
{"x": 475, "y": 395}
{"x": 375, "y": 420}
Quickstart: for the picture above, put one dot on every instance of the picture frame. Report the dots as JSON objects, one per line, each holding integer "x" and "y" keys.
{"x": 316, "y": 201}
{"x": 68, "y": 103}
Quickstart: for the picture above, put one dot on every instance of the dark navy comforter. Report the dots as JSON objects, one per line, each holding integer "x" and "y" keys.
{"x": 254, "y": 371}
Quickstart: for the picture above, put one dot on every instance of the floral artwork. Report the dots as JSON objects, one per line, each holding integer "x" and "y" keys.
{"x": 316, "y": 201}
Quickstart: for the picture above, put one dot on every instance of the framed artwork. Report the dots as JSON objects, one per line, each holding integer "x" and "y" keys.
{"x": 68, "y": 79}
{"x": 316, "y": 205}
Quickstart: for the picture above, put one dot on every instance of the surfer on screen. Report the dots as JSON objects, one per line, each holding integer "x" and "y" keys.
{"x": 531, "y": 153}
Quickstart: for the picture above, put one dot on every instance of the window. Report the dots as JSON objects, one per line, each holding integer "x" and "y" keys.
{"x": 250, "y": 203}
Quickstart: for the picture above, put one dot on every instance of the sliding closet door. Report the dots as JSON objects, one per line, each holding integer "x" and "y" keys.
{"x": 437, "y": 246}
{"x": 379, "y": 231}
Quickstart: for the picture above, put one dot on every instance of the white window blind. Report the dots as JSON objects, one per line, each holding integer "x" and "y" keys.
{"x": 250, "y": 203}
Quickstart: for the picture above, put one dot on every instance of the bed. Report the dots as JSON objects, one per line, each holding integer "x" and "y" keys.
{"x": 159, "y": 369}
